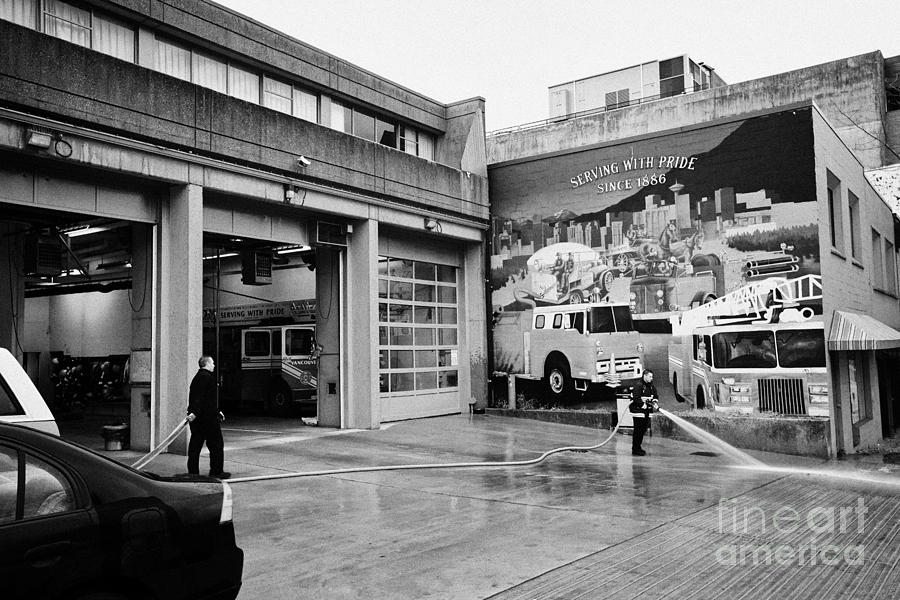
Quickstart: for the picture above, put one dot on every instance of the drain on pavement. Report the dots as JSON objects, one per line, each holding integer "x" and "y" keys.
{"x": 703, "y": 454}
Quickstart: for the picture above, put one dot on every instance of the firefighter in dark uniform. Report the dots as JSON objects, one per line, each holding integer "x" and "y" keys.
{"x": 205, "y": 420}
{"x": 644, "y": 400}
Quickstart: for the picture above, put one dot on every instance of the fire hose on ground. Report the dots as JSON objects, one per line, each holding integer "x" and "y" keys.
{"x": 459, "y": 465}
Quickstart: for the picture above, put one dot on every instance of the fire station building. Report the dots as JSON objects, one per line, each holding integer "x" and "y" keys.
{"x": 174, "y": 175}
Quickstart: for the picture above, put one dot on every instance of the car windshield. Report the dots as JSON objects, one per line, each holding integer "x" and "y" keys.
{"x": 801, "y": 348}
{"x": 609, "y": 319}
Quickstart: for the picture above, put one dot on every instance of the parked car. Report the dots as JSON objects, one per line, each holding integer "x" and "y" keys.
{"x": 77, "y": 525}
{"x": 20, "y": 402}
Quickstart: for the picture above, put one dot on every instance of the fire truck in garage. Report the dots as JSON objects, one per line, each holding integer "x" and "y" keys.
{"x": 279, "y": 366}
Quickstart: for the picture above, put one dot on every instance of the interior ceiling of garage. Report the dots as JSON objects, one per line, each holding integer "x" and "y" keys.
{"x": 65, "y": 253}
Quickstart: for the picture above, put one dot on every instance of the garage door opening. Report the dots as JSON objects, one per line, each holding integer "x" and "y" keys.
{"x": 73, "y": 302}
{"x": 259, "y": 325}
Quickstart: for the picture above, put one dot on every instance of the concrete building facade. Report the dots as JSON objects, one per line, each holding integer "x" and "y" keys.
{"x": 740, "y": 171}
{"x": 165, "y": 161}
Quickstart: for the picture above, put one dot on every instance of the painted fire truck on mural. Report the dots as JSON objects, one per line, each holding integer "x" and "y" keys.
{"x": 760, "y": 348}
{"x": 571, "y": 346}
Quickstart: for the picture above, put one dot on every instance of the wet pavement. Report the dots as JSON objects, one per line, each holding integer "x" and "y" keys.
{"x": 598, "y": 524}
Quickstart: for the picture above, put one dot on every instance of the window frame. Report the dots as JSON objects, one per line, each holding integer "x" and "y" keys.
{"x": 39, "y": 14}
{"x": 878, "y": 279}
{"x": 422, "y": 338}
{"x": 855, "y": 225}
{"x": 835, "y": 212}
{"x": 80, "y": 498}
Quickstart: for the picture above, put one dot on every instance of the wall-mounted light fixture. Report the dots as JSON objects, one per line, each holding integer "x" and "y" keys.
{"x": 293, "y": 195}
{"x": 38, "y": 139}
{"x": 432, "y": 224}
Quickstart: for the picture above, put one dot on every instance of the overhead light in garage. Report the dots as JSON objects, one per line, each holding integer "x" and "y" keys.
{"x": 226, "y": 255}
{"x": 115, "y": 264}
{"x": 292, "y": 249}
{"x": 88, "y": 230}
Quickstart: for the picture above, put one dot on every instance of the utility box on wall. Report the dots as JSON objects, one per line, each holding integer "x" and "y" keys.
{"x": 256, "y": 268}
{"x": 42, "y": 256}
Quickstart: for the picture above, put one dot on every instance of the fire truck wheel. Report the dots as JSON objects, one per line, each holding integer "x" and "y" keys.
{"x": 701, "y": 397}
{"x": 605, "y": 280}
{"x": 280, "y": 401}
{"x": 678, "y": 396}
{"x": 559, "y": 382}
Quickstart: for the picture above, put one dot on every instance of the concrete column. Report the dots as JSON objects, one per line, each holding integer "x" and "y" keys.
{"x": 12, "y": 290}
{"x": 473, "y": 326}
{"x": 179, "y": 327}
{"x": 328, "y": 334}
{"x": 140, "y": 361}
{"x": 360, "y": 313}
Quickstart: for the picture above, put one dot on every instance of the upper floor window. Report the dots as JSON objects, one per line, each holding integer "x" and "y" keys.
{"x": 877, "y": 261}
{"x": 306, "y": 105}
{"x": 277, "y": 95}
{"x": 855, "y": 231}
{"x": 890, "y": 267}
{"x": 618, "y": 98}
{"x": 207, "y": 70}
{"x": 361, "y": 123}
{"x": 417, "y": 143}
{"x": 671, "y": 77}
{"x": 835, "y": 212}
{"x": 71, "y": 23}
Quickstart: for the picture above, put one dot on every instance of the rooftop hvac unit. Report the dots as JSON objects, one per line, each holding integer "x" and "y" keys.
{"x": 332, "y": 234}
{"x": 42, "y": 256}
{"x": 256, "y": 267}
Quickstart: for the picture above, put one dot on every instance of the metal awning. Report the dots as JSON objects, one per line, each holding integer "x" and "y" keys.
{"x": 855, "y": 331}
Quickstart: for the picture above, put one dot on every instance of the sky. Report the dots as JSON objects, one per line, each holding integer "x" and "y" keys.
{"x": 510, "y": 51}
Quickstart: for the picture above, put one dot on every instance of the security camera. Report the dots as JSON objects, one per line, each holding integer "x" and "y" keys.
{"x": 303, "y": 161}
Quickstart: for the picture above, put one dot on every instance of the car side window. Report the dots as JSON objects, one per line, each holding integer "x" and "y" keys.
{"x": 9, "y": 484}
{"x": 47, "y": 491}
{"x": 8, "y": 404}
{"x": 539, "y": 322}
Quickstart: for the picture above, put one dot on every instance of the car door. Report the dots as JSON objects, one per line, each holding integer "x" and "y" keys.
{"x": 48, "y": 538}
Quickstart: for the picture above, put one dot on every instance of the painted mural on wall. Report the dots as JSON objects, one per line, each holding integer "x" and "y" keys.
{"x": 663, "y": 223}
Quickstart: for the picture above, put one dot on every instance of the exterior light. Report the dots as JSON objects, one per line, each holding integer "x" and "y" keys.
{"x": 38, "y": 139}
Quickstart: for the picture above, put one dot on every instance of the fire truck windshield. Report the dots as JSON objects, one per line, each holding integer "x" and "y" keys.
{"x": 610, "y": 319}
{"x": 298, "y": 341}
{"x": 796, "y": 348}
{"x": 801, "y": 348}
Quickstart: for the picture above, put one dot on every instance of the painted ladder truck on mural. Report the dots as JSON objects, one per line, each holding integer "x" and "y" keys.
{"x": 760, "y": 348}
{"x": 573, "y": 345}
{"x": 279, "y": 366}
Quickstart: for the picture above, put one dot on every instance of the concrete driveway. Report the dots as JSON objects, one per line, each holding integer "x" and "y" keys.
{"x": 599, "y": 524}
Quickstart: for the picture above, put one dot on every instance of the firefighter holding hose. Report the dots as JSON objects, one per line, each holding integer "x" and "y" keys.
{"x": 644, "y": 400}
